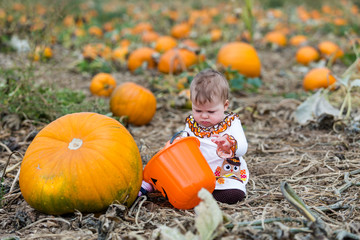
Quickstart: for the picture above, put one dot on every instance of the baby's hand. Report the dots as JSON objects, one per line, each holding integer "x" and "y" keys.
{"x": 223, "y": 143}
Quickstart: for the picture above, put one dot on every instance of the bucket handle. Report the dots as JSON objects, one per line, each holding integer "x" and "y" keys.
{"x": 177, "y": 135}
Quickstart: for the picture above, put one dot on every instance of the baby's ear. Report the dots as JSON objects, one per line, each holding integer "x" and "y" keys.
{"x": 226, "y": 104}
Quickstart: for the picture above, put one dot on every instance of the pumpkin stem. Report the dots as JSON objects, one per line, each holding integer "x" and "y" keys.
{"x": 75, "y": 144}
{"x": 173, "y": 64}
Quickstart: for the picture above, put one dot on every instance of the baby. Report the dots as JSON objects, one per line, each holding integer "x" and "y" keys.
{"x": 222, "y": 139}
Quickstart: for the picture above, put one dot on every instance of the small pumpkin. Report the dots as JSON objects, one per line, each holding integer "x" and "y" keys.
{"x": 108, "y": 26}
{"x": 240, "y": 56}
{"x": 79, "y": 32}
{"x": 102, "y": 84}
{"x": 18, "y": 7}
{"x": 69, "y": 21}
{"x": 89, "y": 52}
{"x": 231, "y": 19}
{"x": 140, "y": 56}
{"x": 125, "y": 43}
{"x": 306, "y": 55}
{"x": 215, "y": 34}
{"x": 298, "y": 40}
{"x": 276, "y": 37}
{"x": 330, "y": 50}
{"x": 164, "y": 43}
{"x": 95, "y": 31}
{"x": 318, "y": 78}
{"x": 339, "y": 21}
{"x": 81, "y": 161}
{"x": 41, "y": 52}
{"x": 2, "y": 14}
{"x": 119, "y": 54}
{"x": 40, "y": 10}
{"x": 104, "y": 51}
{"x": 134, "y": 101}
{"x": 171, "y": 14}
{"x": 142, "y": 27}
{"x": 47, "y": 53}
{"x": 149, "y": 36}
{"x": 190, "y": 44}
{"x": 181, "y": 30}
{"x": 176, "y": 60}
{"x": 245, "y": 36}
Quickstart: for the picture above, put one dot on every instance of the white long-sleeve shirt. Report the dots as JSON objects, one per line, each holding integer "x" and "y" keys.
{"x": 231, "y": 172}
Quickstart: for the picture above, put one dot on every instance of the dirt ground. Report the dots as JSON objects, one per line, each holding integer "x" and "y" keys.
{"x": 320, "y": 163}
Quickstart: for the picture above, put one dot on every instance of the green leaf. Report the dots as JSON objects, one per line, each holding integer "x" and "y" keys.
{"x": 255, "y": 82}
{"x": 344, "y": 80}
{"x": 238, "y": 82}
{"x": 355, "y": 83}
{"x": 175, "y": 234}
{"x": 207, "y": 222}
{"x": 209, "y": 216}
{"x": 313, "y": 107}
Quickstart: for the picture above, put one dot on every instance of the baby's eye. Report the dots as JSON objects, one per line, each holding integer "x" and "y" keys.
{"x": 211, "y": 112}
{"x": 198, "y": 111}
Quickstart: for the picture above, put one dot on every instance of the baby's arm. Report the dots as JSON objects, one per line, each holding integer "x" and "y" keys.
{"x": 237, "y": 132}
{"x": 232, "y": 144}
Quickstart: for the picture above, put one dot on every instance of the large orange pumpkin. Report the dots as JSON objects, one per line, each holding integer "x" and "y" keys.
{"x": 81, "y": 161}
{"x": 102, "y": 84}
{"x": 318, "y": 78}
{"x": 134, "y": 101}
{"x": 240, "y": 56}
{"x": 176, "y": 60}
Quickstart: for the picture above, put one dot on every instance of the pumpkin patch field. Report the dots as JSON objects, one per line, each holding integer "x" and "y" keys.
{"x": 91, "y": 91}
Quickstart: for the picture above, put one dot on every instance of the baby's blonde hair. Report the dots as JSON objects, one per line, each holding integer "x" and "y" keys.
{"x": 208, "y": 86}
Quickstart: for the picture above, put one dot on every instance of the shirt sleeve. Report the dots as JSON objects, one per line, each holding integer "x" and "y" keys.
{"x": 237, "y": 132}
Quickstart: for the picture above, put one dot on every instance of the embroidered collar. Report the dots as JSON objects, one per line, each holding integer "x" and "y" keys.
{"x": 201, "y": 131}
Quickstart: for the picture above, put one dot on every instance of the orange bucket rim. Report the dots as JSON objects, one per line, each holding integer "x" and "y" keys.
{"x": 174, "y": 144}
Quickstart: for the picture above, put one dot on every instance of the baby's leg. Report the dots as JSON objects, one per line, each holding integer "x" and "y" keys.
{"x": 229, "y": 196}
{"x": 145, "y": 188}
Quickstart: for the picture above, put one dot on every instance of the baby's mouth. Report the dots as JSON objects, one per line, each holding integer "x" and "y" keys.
{"x": 205, "y": 123}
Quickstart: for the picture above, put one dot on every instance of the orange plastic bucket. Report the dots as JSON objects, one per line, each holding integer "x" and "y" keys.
{"x": 179, "y": 171}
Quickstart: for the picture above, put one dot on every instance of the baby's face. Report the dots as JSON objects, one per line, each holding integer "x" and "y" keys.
{"x": 209, "y": 114}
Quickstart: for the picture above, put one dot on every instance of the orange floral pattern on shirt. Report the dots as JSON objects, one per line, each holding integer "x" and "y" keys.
{"x": 202, "y": 132}
{"x": 220, "y": 180}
